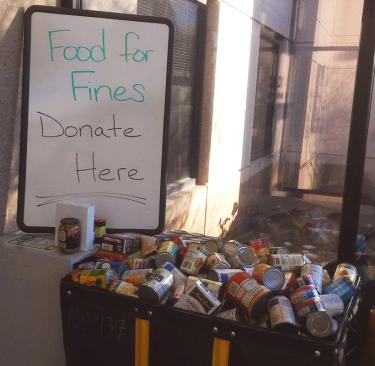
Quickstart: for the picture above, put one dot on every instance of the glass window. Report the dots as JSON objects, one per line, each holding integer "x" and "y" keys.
{"x": 294, "y": 196}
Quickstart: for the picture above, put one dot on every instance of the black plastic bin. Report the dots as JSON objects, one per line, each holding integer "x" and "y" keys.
{"x": 99, "y": 330}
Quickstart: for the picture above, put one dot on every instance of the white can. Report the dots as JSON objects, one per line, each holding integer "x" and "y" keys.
{"x": 316, "y": 272}
{"x": 281, "y": 313}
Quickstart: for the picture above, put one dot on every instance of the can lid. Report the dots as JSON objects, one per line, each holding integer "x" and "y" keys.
{"x": 246, "y": 255}
{"x": 320, "y": 324}
{"x": 162, "y": 258}
{"x": 273, "y": 279}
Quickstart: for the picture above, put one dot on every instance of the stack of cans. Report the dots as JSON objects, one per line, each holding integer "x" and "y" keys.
{"x": 255, "y": 283}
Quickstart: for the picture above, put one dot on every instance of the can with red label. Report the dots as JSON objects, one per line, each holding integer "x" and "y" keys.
{"x": 217, "y": 261}
{"x": 261, "y": 247}
{"x": 248, "y": 294}
{"x": 281, "y": 314}
{"x": 306, "y": 300}
{"x": 167, "y": 252}
{"x": 271, "y": 277}
{"x": 346, "y": 270}
{"x": 316, "y": 272}
{"x": 136, "y": 276}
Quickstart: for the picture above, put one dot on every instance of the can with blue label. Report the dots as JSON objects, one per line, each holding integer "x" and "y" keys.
{"x": 222, "y": 275}
{"x": 342, "y": 287}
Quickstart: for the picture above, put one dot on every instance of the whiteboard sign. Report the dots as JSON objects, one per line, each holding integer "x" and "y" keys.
{"x": 94, "y": 120}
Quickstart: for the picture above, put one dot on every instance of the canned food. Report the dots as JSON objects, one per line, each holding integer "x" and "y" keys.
{"x": 212, "y": 246}
{"x": 248, "y": 294}
{"x": 287, "y": 262}
{"x": 278, "y": 250}
{"x": 123, "y": 288}
{"x": 69, "y": 234}
{"x": 138, "y": 263}
{"x": 304, "y": 280}
{"x": 231, "y": 314}
{"x": 261, "y": 247}
{"x": 222, "y": 275}
{"x": 333, "y": 304}
{"x": 118, "y": 267}
{"x": 97, "y": 278}
{"x": 198, "y": 299}
{"x": 194, "y": 260}
{"x": 156, "y": 286}
{"x": 281, "y": 313}
{"x": 176, "y": 294}
{"x": 346, "y": 270}
{"x": 136, "y": 276}
{"x": 217, "y": 261}
{"x": 342, "y": 287}
{"x": 215, "y": 287}
{"x": 316, "y": 272}
{"x": 167, "y": 252}
{"x": 179, "y": 279}
{"x": 99, "y": 228}
{"x": 271, "y": 277}
{"x": 308, "y": 306}
{"x": 303, "y": 293}
{"x": 320, "y": 324}
{"x": 238, "y": 255}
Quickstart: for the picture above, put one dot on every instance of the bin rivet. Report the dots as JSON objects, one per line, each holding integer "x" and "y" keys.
{"x": 149, "y": 313}
{"x": 69, "y": 292}
{"x": 136, "y": 310}
{"x": 317, "y": 353}
{"x": 232, "y": 334}
{"x": 214, "y": 329}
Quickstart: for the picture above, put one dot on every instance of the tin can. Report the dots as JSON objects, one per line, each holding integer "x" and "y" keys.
{"x": 136, "y": 276}
{"x": 248, "y": 294}
{"x": 99, "y": 228}
{"x": 179, "y": 279}
{"x": 98, "y": 277}
{"x": 316, "y": 272}
{"x": 118, "y": 267}
{"x": 281, "y": 314}
{"x": 333, "y": 304}
{"x": 138, "y": 263}
{"x": 271, "y": 277}
{"x": 278, "y": 250}
{"x": 212, "y": 246}
{"x": 123, "y": 288}
{"x": 320, "y": 324}
{"x": 217, "y": 261}
{"x": 198, "y": 299}
{"x": 287, "y": 262}
{"x": 238, "y": 255}
{"x": 222, "y": 275}
{"x": 261, "y": 247}
{"x": 342, "y": 287}
{"x": 303, "y": 293}
{"x": 69, "y": 234}
{"x": 194, "y": 260}
{"x": 346, "y": 270}
{"x": 156, "y": 286}
{"x": 231, "y": 314}
{"x": 215, "y": 287}
{"x": 308, "y": 306}
{"x": 304, "y": 280}
{"x": 167, "y": 252}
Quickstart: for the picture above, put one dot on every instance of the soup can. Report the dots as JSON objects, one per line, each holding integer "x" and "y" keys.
{"x": 136, "y": 276}
{"x": 308, "y": 306}
{"x": 316, "y": 272}
{"x": 211, "y": 245}
{"x": 261, "y": 247}
{"x": 270, "y": 277}
{"x": 194, "y": 260}
{"x": 167, "y": 252}
{"x": 217, "y": 261}
{"x": 342, "y": 287}
{"x": 238, "y": 255}
{"x": 333, "y": 304}
{"x": 321, "y": 324}
{"x": 303, "y": 293}
{"x": 346, "y": 270}
{"x": 287, "y": 262}
{"x": 156, "y": 286}
{"x": 231, "y": 314}
{"x": 97, "y": 277}
{"x": 222, "y": 275}
{"x": 123, "y": 288}
{"x": 281, "y": 313}
{"x": 248, "y": 294}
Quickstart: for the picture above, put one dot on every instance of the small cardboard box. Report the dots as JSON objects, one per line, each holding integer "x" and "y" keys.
{"x": 85, "y": 213}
